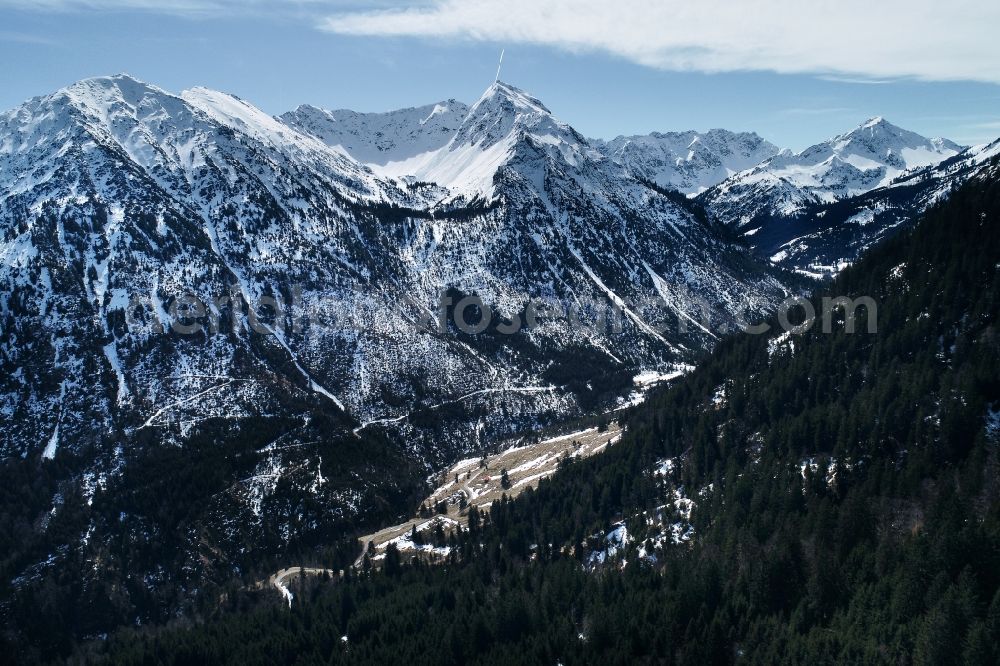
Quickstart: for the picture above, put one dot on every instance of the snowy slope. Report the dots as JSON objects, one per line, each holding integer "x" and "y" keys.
{"x": 867, "y": 157}
{"x": 382, "y": 139}
{"x": 690, "y": 162}
{"x": 457, "y": 147}
{"x": 173, "y": 136}
{"x": 496, "y": 124}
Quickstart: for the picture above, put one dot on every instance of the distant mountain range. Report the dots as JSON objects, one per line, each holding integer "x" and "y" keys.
{"x": 689, "y": 162}
{"x": 867, "y": 157}
{"x": 816, "y": 211}
{"x": 789, "y": 207}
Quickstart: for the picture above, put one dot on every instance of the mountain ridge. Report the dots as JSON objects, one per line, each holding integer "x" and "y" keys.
{"x": 690, "y": 161}
{"x": 229, "y": 435}
{"x": 848, "y": 164}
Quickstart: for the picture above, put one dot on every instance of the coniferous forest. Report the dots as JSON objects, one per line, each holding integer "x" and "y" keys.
{"x": 846, "y": 508}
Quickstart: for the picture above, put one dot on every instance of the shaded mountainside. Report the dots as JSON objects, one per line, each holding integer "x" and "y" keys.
{"x": 119, "y": 197}
{"x": 117, "y": 193}
{"x": 837, "y": 494}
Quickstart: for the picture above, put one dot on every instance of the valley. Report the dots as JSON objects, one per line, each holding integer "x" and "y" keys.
{"x": 478, "y": 482}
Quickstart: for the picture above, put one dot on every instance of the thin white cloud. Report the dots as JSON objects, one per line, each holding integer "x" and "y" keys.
{"x": 204, "y": 6}
{"x": 25, "y": 38}
{"x": 856, "y": 80}
{"x": 192, "y": 8}
{"x": 816, "y": 111}
{"x": 925, "y": 39}
{"x": 991, "y": 125}
{"x": 166, "y": 6}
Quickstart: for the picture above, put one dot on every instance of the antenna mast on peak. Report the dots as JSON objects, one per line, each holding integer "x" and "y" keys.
{"x": 499, "y": 65}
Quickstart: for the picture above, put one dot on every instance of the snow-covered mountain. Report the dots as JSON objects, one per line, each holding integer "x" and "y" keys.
{"x": 482, "y": 139}
{"x": 847, "y": 165}
{"x": 821, "y": 238}
{"x": 205, "y": 193}
{"x": 424, "y": 143}
{"x": 690, "y": 162}
{"x": 784, "y": 197}
{"x": 136, "y": 224}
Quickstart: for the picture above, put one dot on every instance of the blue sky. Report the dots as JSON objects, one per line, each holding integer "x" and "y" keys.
{"x": 375, "y": 55}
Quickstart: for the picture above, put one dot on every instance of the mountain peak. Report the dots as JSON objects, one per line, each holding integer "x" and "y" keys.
{"x": 119, "y": 79}
{"x": 879, "y": 126}
{"x": 878, "y": 134}
{"x": 521, "y": 100}
{"x": 869, "y": 156}
{"x": 100, "y": 92}
{"x": 885, "y": 135}
{"x": 500, "y": 114}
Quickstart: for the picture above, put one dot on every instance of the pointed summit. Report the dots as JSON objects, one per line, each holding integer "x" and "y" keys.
{"x": 499, "y": 91}
{"x": 879, "y": 126}
{"x": 899, "y": 149}
{"x": 505, "y": 112}
{"x": 504, "y": 120}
